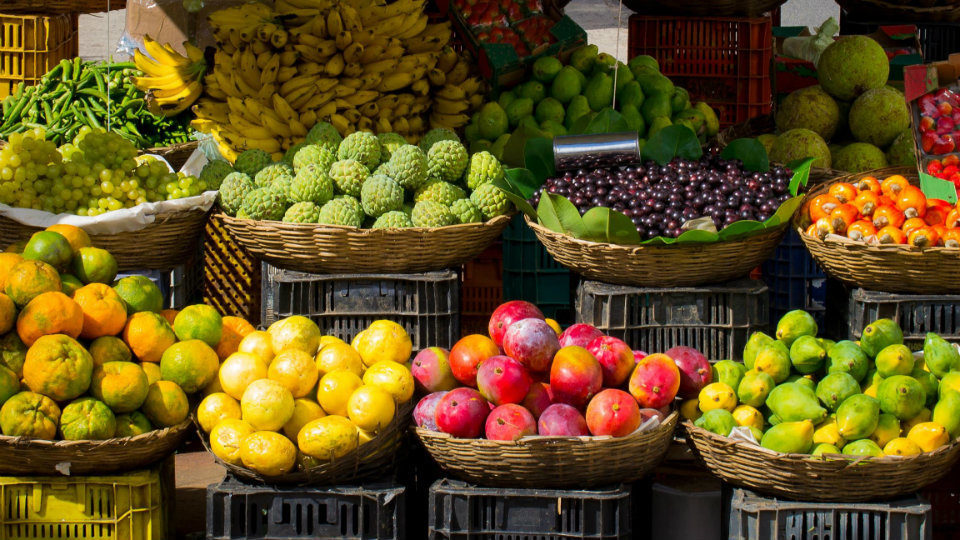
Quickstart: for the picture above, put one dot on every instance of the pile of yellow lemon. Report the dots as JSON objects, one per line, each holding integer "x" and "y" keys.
{"x": 292, "y": 397}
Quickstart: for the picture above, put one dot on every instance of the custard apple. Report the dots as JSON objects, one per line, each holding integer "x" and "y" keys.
{"x": 214, "y": 172}
{"x": 311, "y": 184}
{"x": 380, "y": 194}
{"x": 362, "y": 146}
{"x": 432, "y": 214}
{"x": 384, "y": 169}
{"x": 442, "y": 192}
{"x": 483, "y": 168}
{"x": 466, "y": 211}
{"x": 392, "y": 220}
{"x": 263, "y": 203}
{"x": 302, "y": 212}
{"x": 324, "y": 134}
{"x": 348, "y": 175}
{"x": 251, "y": 161}
{"x": 389, "y": 142}
{"x": 241, "y": 214}
{"x": 268, "y": 174}
{"x": 446, "y": 161}
{"x": 282, "y": 184}
{"x": 436, "y": 135}
{"x": 408, "y": 165}
{"x": 313, "y": 154}
{"x": 291, "y": 152}
{"x": 490, "y": 200}
{"x": 341, "y": 210}
{"x": 232, "y": 191}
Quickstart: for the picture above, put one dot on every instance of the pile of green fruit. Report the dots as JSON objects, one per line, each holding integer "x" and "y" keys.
{"x": 800, "y": 394}
{"x": 563, "y": 99}
{"x": 852, "y": 121}
{"x": 364, "y": 180}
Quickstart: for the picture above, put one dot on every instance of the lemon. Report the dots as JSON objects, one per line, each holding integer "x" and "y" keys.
{"x": 327, "y": 438}
{"x": 717, "y": 396}
{"x": 268, "y": 452}
{"x": 295, "y": 370}
{"x": 225, "y": 439}
{"x": 297, "y": 332}
{"x": 257, "y": 343}
{"x": 383, "y": 340}
{"x": 304, "y": 410}
{"x": 334, "y": 356}
{"x": 371, "y": 408}
{"x": 267, "y": 405}
{"x": 216, "y": 407}
{"x": 335, "y": 389}
{"x": 328, "y": 340}
{"x": 392, "y": 377}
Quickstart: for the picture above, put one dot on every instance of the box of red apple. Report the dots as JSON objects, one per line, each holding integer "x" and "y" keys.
{"x": 936, "y": 116}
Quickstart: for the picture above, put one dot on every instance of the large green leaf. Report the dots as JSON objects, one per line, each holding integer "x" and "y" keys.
{"x": 670, "y": 142}
{"x": 801, "y": 173}
{"x": 607, "y": 121}
{"x": 514, "y": 151}
{"x": 785, "y": 212}
{"x": 514, "y": 194}
{"x": 605, "y": 225}
{"x": 560, "y": 215}
{"x": 696, "y": 237}
{"x": 526, "y": 183}
{"x": 538, "y": 158}
{"x": 739, "y": 229}
{"x": 750, "y": 152}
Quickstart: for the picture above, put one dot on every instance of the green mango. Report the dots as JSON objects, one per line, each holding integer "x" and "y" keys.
{"x": 533, "y": 90}
{"x": 789, "y": 437}
{"x": 756, "y": 432}
{"x": 754, "y": 388}
{"x": 603, "y": 64}
{"x": 888, "y": 429}
{"x": 711, "y": 121}
{"x": 794, "y": 324}
{"x": 863, "y": 447}
{"x": 824, "y": 448}
{"x": 947, "y": 413}
{"x": 655, "y": 106}
{"x": 929, "y": 382}
{"x": 825, "y": 343}
{"x": 774, "y": 359}
{"x": 633, "y": 118}
{"x": 858, "y": 416}
{"x": 757, "y": 341}
{"x": 624, "y": 77}
{"x": 802, "y": 380}
{"x": 577, "y": 107}
{"x": 599, "y": 91}
{"x": 584, "y": 58}
{"x": 545, "y": 69}
{"x": 950, "y": 381}
{"x": 793, "y": 402}
{"x": 807, "y": 355}
{"x": 894, "y": 360}
{"x": 847, "y": 356}
{"x": 630, "y": 94}
{"x": 566, "y": 85}
{"x": 549, "y": 109}
{"x": 645, "y": 61}
{"x": 658, "y": 123}
{"x": 901, "y": 396}
{"x": 835, "y": 388}
{"x": 878, "y": 335}
{"x": 656, "y": 84}
{"x": 506, "y": 98}
{"x": 939, "y": 355}
{"x": 520, "y": 109}
{"x": 694, "y": 118}
{"x": 728, "y": 372}
{"x": 719, "y": 421}
{"x": 680, "y": 100}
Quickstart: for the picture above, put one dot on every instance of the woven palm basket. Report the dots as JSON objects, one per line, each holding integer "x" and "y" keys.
{"x": 807, "y": 478}
{"x": 331, "y": 249}
{"x": 675, "y": 265}
{"x": 908, "y": 12}
{"x": 373, "y": 459}
{"x": 890, "y": 268}
{"x": 721, "y": 8}
{"x": 21, "y": 456}
{"x": 61, "y": 6}
{"x": 175, "y": 154}
{"x": 551, "y": 462}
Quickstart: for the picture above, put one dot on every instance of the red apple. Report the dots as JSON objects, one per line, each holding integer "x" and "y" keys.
{"x": 613, "y": 412}
{"x": 580, "y": 334}
{"x": 510, "y": 422}
{"x": 431, "y": 370}
{"x": 467, "y": 354}
{"x": 655, "y": 381}
{"x": 615, "y": 357}
{"x": 502, "y": 380}
{"x": 538, "y": 398}
{"x": 424, "y": 414}
{"x": 532, "y": 343}
{"x": 695, "y": 371}
{"x": 562, "y": 420}
{"x": 639, "y": 355}
{"x": 509, "y": 313}
{"x": 461, "y": 413}
{"x": 575, "y": 376}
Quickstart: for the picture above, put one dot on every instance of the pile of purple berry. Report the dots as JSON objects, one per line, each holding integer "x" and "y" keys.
{"x": 660, "y": 199}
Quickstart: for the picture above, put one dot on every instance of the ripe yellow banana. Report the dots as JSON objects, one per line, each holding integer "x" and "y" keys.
{"x": 350, "y": 17}
{"x": 270, "y": 70}
{"x": 335, "y": 65}
{"x": 415, "y": 28}
{"x": 334, "y": 23}
{"x": 284, "y": 74}
{"x": 277, "y": 127}
{"x": 163, "y": 55}
{"x": 343, "y": 39}
{"x": 308, "y": 118}
{"x": 437, "y": 77}
{"x": 365, "y": 124}
{"x": 325, "y": 111}
{"x": 353, "y": 53}
{"x": 283, "y": 108}
{"x": 353, "y": 70}
{"x": 297, "y": 129}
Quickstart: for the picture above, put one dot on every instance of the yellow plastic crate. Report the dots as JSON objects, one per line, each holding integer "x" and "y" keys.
{"x": 129, "y": 506}
{"x": 31, "y": 45}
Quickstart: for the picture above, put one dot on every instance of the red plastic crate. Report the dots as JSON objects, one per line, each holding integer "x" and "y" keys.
{"x": 482, "y": 290}
{"x": 723, "y": 61}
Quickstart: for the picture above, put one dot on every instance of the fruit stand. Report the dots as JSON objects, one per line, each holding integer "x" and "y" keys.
{"x": 459, "y": 269}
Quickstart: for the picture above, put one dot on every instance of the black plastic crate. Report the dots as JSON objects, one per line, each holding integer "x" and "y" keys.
{"x": 755, "y": 517}
{"x": 717, "y": 320}
{"x": 463, "y": 511}
{"x": 795, "y": 281}
{"x": 530, "y": 273}
{"x": 937, "y": 39}
{"x": 916, "y": 314}
{"x": 368, "y": 512}
{"x": 427, "y": 305}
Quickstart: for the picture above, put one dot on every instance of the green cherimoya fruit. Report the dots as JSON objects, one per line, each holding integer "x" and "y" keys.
{"x": 466, "y": 211}
{"x": 858, "y": 157}
{"x": 395, "y": 219}
{"x": 794, "y": 324}
{"x": 314, "y": 154}
{"x": 348, "y": 175}
{"x": 251, "y": 161}
{"x": 789, "y": 437}
{"x": 408, "y": 166}
{"x": 263, "y": 203}
{"x": 800, "y": 144}
{"x": 436, "y": 135}
{"x": 901, "y": 396}
{"x": 281, "y": 185}
{"x": 389, "y": 142}
{"x": 490, "y": 200}
{"x": 902, "y": 151}
{"x": 483, "y": 168}
{"x": 878, "y": 116}
{"x": 446, "y": 161}
{"x": 302, "y": 212}
{"x": 291, "y": 152}
{"x": 940, "y": 356}
{"x": 809, "y": 108}
{"x": 380, "y": 194}
{"x": 361, "y": 146}
{"x": 439, "y": 191}
{"x": 342, "y": 210}
{"x": 432, "y": 214}
{"x": 311, "y": 184}
{"x": 325, "y": 135}
{"x": 271, "y": 172}
{"x": 851, "y": 65}
{"x": 214, "y": 172}
{"x": 233, "y": 189}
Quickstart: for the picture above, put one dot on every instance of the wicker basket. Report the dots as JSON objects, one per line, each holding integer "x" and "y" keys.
{"x": 61, "y": 6}
{"x": 22, "y": 456}
{"x": 330, "y": 249}
{"x": 890, "y": 268}
{"x": 170, "y": 241}
{"x": 701, "y": 8}
{"x": 675, "y": 265}
{"x": 175, "y": 154}
{"x": 806, "y": 478}
{"x": 374, "y": 459}
{"x": 551, "y": 462}
{"x": 908, "y": 12}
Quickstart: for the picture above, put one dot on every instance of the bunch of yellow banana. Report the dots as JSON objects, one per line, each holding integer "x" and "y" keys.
{"x": 455, "y": 94}
{"x": 171, "y": 80}
{"x": 250, "y": 23}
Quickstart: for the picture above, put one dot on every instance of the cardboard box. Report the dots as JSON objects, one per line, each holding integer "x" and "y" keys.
{"x": 168, "y": 22}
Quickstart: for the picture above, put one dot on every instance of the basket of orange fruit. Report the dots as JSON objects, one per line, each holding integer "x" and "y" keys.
{"x": 877, "y": 230}
{"x": 293, "y": 406}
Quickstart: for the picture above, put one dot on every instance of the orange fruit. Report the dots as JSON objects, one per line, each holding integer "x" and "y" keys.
{"x": 87, "y": 419}
{"x": 225, "y": 439}
{"x": 139, "y": 294}
{"x": 371, "y": 408}
{"x": 238, "y": 371}
{"x": 49, "y": 313}
{"x": 267, "y": 405}
{"x": 268, "y": 453}
{"x": 257, "y": 343}
{"x": 49, "y": 247}
{"x": 383, "y": 340}
{"x": 339, "y": 356}
{"x": 69, "y": 284}
{"x": 192, "y": 364}
{"x": 216, "y": 407}
{"x": 9, "y": 384}
{"x": 148, "y": 335}
{"x": 77, "y": 237}
{"x": 199, "y": 321}
{"x": 121, "y": 385}
{"x": 166, "y": 405}
{"x": 12, "y": 353}
{"x": 16, "y": 247}
{"x": 295, "y": 370}
{"x": 29, "y": 414}
{"x": 212, "y": 387}
{"x": 170, "y": 315}
{"x": 152, "y": 370}
{"x": 8, "y": 313}
{"x": 234, "y": 330}
{"x": 29, "y": 279}
{"x": 392, "y": 377}
{"x": 58, "y": 367}
{"x": 7, "y": 262}
{"x": 328, "y": 340}
{"x": 109, "y": 349}
{"x": 335, "y": 389}
{"x": 133, "y": 424}
{"x": 104, "y": 313}
{"x": 297, "y": 332}
{"x": 304, "y": 411}
{"x": 95, "y": 265}
{"x": 327, "y": 438}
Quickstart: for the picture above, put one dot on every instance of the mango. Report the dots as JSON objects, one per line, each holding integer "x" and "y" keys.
{"x": 719, "y": 421}
{"x": 757, "y": 341}
{"x": 901, "y": 396}
{"x": 584, "y": 58}
{"x": 939, "y": 355}
{"x": 826, "y": 343}
{"x": 566, "y": 85}
{"x": 828, "y": 432}
{"x": 728, "y": 372}
{"x": 757, "y": 433}
{"x": 746, "y": 415}
{"x": 807, "y": 355}
{"x": 888, "y": 429}
{"x": 947, "y": 413}
{"x": 825, "y": 448}
{"x": 690, "y": 409}
{"x": 847, "y": 356}
{"x": 929, "y": 382}
{"x": 802, "y": 380}
{"x": 901, "y": 446}
{"x": 717, "y": 396}
{"x": 577, "y": 108}
{"x": 654, "y": 106}
{"x": 858, "y": 416}
{"x": 836, "y": 387}
{"x": 950, "y": 381}
{"x": 894, "y": 360}
{"x": 789, "y": 437}
{"x": 643, "y": 60}
{"x": 929, "y": 436}
{"x": 878, "y": 335}
{"x": 774, "y": 359}
{"x": 793, "y": 402}
{"x": 925, "y": 415}
{"x": 710, "y": 120}
{"x": 599, "y": 91}
{"x": 863, "y": 447}
{"x": 795, "y": 324}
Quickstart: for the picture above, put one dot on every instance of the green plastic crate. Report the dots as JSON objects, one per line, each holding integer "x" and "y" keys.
{"x": 531, "y": 274}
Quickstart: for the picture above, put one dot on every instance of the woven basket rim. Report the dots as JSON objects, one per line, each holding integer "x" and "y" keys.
{"x": 86, "y": 445}
{"x": 171, "y": 147}
{"x": 920, "y": 10}
{"x": 340, "y": 229}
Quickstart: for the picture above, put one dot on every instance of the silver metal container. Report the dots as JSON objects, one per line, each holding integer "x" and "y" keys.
{"x": 595, "y": 151}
